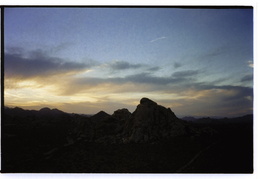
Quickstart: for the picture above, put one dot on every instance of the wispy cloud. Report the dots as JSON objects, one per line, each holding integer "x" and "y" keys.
{"x": 215, "y": 52}
{"x": 159, "y": 38}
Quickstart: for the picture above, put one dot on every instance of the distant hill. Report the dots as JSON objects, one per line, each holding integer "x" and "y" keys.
{"x": 189, "y": 118}
{"x": 236, "y": 120}
{"x": 99, "y": 116}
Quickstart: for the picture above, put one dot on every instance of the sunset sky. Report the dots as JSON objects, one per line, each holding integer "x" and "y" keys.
{"x": 198, "y": 62}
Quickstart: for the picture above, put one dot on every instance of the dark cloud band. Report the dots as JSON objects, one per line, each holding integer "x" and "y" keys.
{"x": 38, "y": 64}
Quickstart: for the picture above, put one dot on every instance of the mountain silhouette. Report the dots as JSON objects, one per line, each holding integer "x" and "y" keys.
{"x": 151, "y": 139}
{"x": 151, "y": 121}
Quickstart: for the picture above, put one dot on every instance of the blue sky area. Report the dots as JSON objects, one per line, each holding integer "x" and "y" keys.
{"x": 196, "y": 61}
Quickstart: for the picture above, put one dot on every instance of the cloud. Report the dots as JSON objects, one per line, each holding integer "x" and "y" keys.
{"x": 144, "y": 81}
{"x": 237, "y": 92}
{"x": 160, "y": 38}
{"x": 144, "y": 78}
{"x": 123, "y": 65}
{"x": 61, "y": 47}
{"x": 183, "y": 95}
{"x": 193, "y": 97}
{"x": 149, "y": 78}
{"x": 177, "y": 65}
{"x": 232, "y": 100}
{"x": 136, "y": 83}
{"x": 153, "y": 69}
{"x": 184, "y": 74}
{"x": 247, "y": 78}
{"x": 250, "y": 63}
{"x": 38, "y": 64}
{"x": 210, "y": 100}
{"x": 183, "y": 90}
{"x": 118, "y": 66}
{"x": 214, "y": 52}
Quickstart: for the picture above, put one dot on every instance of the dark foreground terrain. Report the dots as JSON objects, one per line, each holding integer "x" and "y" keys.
{"x": 150, "y": 140}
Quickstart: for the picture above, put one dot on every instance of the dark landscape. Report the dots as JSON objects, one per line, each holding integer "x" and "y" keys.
{"x": 152, "y": 139}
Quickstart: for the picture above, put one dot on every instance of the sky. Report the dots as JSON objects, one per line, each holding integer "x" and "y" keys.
{"x": 198, "y": 62}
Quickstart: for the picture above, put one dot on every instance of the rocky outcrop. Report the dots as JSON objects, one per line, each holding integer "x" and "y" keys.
{"x": 107, "y": 128}
{"x": 151, "y": 122}
{"x": 148, "y": 123}
{"x": 122, "y": 114}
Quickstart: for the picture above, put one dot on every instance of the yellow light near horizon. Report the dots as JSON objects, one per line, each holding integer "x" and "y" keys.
{"x": 29, "y": 83}
{"x": 201, "y": 94}
{"x": 40, "y": 96}
{"x": 32, "y": 93}
{"x": 106, "y": 96}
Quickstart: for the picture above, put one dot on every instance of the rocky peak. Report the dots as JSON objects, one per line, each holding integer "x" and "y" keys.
{"x": 150, "y": 122}
{"x": 147, "y": 102}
